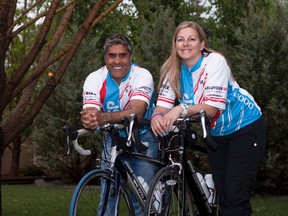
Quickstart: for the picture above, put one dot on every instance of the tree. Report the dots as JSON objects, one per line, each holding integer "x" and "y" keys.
{"x": 19, "y": 84}
{"x": 263, "y": 47}
{"x": 64, "y": 105}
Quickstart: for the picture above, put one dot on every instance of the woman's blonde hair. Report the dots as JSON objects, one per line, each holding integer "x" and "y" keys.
{"x": 172, "y": 65}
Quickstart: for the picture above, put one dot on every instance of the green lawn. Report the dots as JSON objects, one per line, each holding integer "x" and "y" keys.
{"x": 33, "y": 200}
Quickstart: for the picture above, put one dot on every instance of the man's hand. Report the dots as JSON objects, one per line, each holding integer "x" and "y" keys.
{"x": 89, "y": 117}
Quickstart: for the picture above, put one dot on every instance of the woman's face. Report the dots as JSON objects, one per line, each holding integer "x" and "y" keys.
{"x": 188, "y": 46}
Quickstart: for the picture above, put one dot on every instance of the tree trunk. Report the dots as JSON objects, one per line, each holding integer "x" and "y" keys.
{"x": 1, "y": 153}
{"x": 16, "y": 151}
{"x": 29, "y": 70}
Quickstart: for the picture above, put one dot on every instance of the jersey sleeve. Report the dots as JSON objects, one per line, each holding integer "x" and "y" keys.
{"x": 91, "y": 90}
{"x": 143, "y": 85}
{"x": 216, "y": 86}
{"x": 166, "y": 96}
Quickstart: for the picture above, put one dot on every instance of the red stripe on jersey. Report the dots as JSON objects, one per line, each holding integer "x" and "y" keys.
{"x": 91, "y": 102}
{"x": 199, "y": 79}
{"x": 126, "y": 105}
{"x": 103, "y": 92}
{"x": 201, "y": 99}
{"x": 130, "y": 93}
{"x": 166, "y": 100}
{"x": 214, "y": 119}
{"x": 221, "y": 100}
{"x": 124, "y": 90}
{"x": 140, "y": 94}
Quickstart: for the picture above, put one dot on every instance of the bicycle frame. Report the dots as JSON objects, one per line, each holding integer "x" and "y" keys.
{"x": 123, "y": 172}
{"x": 119, "y": 170}
{"x": 188, "y": 172}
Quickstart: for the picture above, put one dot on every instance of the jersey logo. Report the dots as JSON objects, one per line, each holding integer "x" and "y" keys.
{"x": 111, "y": 107}
{"x": 186, "y": 99}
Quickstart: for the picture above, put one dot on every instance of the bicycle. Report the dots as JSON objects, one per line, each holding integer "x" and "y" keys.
{"x": 177, "y": 186}
{"x": 119, "y": 177}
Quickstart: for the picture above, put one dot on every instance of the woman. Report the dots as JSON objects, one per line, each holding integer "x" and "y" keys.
{"x": 201, "y": 80}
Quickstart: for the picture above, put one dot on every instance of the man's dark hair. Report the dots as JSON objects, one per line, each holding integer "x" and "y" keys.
{"x": 117, "y": 39}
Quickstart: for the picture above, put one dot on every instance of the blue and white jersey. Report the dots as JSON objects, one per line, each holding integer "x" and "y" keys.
{"x": 102, "y": 92}
{"x": 211, "y": 82}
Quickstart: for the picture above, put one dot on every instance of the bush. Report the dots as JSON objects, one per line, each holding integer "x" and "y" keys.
{"x": 31, "y": 171}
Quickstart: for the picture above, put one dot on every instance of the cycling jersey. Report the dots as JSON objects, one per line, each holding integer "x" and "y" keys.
{"x": 102, "y": 92}
{"x": 211, "y": 82}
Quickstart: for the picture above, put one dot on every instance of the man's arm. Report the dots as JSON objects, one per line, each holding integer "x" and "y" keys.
{"x": 92, "y": 117}
{"x": 136, "y": 106}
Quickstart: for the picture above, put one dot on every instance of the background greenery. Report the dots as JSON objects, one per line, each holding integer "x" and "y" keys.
{"x": 251, "y": 34}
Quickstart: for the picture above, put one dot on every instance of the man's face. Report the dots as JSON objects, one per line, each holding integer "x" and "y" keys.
{"x": 117, "y": 60}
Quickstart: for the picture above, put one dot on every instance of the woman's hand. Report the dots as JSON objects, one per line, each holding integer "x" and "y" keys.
{"x": 162, "y": 124}
{"x": 170, "y": 117}
{"x": 156, "y": 124}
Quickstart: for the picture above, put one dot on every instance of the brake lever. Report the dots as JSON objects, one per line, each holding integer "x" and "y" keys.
{"x": 132, "y": 117}
{"x": 67, "y": 132}
{"x": 203, "y": 123}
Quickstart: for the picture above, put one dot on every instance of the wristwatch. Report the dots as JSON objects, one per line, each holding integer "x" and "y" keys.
{"x": 185, "y": 110}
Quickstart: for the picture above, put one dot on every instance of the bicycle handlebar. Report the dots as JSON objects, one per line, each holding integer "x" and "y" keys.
{"x": 73, "y": 136}
{"x": 132, "y": 126}
{"x": 205, "y": 123}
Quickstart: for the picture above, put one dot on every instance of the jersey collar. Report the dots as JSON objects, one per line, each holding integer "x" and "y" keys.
{"x": 193, "y": 68}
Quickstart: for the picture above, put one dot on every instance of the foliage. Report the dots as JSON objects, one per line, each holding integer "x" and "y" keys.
{"x": 257, "y": 52}
{"x": 31, "y": 171}
{"x": 64, "y": 105}
{"x": 251, "y": 34}
{"x": 63, "y": 108}
{"x": 155, "y": 42}
{"x": 228, "y": 14}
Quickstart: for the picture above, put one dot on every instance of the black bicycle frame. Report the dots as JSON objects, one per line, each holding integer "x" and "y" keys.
{"x": 128, "y": 178}
{"x": 190, "y": 175}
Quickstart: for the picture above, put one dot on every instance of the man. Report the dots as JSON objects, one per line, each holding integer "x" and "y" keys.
{"x": 115, "y": 91}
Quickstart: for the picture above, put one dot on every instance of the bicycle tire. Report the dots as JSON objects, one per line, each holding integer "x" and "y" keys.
{"x": 171, "y": 184}
{"x": 86, "y": 197}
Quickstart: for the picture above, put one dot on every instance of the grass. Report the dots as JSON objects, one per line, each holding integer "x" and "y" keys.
{"x": 269, "y": 206}
{"x": 22, "y": 200}
{"x": 18, "y": 200}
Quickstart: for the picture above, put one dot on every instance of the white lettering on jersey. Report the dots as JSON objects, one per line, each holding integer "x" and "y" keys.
{"x": 186, "y": 99}
{"x": 244, "y": 100}
{"x": 111, "y": 106}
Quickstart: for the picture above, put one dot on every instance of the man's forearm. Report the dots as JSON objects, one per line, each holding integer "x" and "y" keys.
{"x": 114, "y": 117}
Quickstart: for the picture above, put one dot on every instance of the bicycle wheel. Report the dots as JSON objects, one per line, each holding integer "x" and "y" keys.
{"x": 165, "y": 196}
{"x": 87, "y": 199}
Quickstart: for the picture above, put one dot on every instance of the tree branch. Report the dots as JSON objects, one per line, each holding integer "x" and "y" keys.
{"x": 20, "y": 72}
{"x": 17, "y": 21}
{"x": 10, "y": 130}
{"x": 106, "y": 12}
{"x": 39, "y": 16}
{"x": 41, "y": 67}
